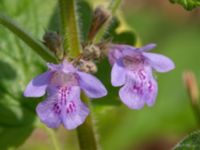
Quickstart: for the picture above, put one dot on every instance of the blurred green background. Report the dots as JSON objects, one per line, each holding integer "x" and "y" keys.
{"x": 177, "y": 34}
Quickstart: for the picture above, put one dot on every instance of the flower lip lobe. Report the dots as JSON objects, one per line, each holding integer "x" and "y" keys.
{"x": 63, "y": 105}
{"x": 131, "y": 96}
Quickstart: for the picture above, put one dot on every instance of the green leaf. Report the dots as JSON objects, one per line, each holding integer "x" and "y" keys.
{"x": 124, "y": 37}
{"x": 187, "y": 4}
{"x": 112, "y": 97}
{"x": 17, "y": 113}
{"x": 37, "y": 46}
{"x": 16, "y": 134}
{"x": 19, "y": 64}
{"x": 192, "y": 142}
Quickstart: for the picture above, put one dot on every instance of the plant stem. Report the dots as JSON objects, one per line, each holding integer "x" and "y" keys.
{"x": 86, "y": 133}
{"x": 73, "y": 30}
{"x": 114, "y": 4}
{"x": 37, "y": 46}
{"x": 70, "y": 27}
{"x": 63, "y": 22}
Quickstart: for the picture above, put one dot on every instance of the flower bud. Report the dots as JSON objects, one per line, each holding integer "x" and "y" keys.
{"x": 190, "y": 82}
{"x": 87, "y": 66}
{"x": 53, "y": 41}
{"x": 100, "y": 16}
{"x": 92, "y": 52}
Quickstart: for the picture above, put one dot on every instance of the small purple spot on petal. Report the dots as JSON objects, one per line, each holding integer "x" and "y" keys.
{"x": 135, "y": 88}
{"x": 142, "y": 74}
{"x": 150, "y": 86}
{"x": 56, "y": 109}
{"x": 71, "y": 107}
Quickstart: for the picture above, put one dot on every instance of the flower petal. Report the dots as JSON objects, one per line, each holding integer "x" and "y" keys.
{"x": 68, "y": 67}
{"x": 91, "y": 85}
{"x": 123, "y": 47}
{"x": 54, "y": 67}
{"x": 130, "y": 51}
{"x": 131, "y": 96}
{"x": 49, "y": 112}
{"x": 65, "y": 67}
{"x": 71, "y": 120}
{"x": 150, "y": 92}
{"x": 37, "y": 86}
{"x": 113, "y": 55}
{"x": 147, "y": 47}
{"x": 159, "y": 62}
{"x": 74, "y": 112}
{"x": 118, "y": 74}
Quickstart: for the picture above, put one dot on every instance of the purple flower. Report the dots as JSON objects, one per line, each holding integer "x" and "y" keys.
{"x": 132, "y": 68}
{"x": 63, "y": 84}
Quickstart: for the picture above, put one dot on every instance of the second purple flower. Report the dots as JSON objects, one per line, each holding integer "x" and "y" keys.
{"x": 132, "y": 68}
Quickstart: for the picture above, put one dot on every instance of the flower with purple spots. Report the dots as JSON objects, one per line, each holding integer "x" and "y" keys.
{"x": 63, "y": 84}
{"x": 132, "y": 68}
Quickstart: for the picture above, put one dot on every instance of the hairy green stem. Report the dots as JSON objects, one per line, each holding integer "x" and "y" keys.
{"x": 70, "y": 27}
{"x": 114, "y": 4}
{"x": 63, "y": 22}
{"x": 86, "y": 132}
{"x": 36, "y": 45}
{"x": 73, "y": 30}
